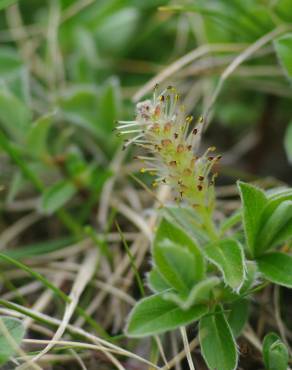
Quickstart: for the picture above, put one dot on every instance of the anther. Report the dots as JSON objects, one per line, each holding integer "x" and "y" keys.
{"x": 165, "y": 142}
{"x": 167, "y": 127}
{"x": 180, "y": 148}
{"x": 187, "y": 172}
{"x": 200, "y": 187}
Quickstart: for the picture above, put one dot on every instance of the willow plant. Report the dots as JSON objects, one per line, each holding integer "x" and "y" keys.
{"x": 205, "y": 270}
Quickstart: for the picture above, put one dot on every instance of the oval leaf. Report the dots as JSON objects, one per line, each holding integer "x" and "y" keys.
{"x": 175, "y": 234}
{"x": 156, "y": 281}
{"x": 176, "y": 265}
{"x": 217, "y": 343}
{"x": 275, "y": 353}
{"x": 277, "y": 268}
{"x": 154, "y": 315}
{"x": 238, "y": 316}
{"x": 228, "y": 256}
{"x": 201, "y": 293}
{"x": 253, "y": 201}
{"x": 56, "y": 196}
{"x": 37, "y": 137}
{"x": 277, "y": 227}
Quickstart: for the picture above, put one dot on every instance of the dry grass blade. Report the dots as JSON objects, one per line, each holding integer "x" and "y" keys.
{"x": 17, "y": 228}
{"x": 239, "y": 60}
{"x": 181, "y": 62}
{"x": 187, "y": 348}
{"x": 84, "y": 275}
{"x": 73, "y": 329}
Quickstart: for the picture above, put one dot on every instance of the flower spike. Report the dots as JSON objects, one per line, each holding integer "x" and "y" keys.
{"x": 162, "y": 128}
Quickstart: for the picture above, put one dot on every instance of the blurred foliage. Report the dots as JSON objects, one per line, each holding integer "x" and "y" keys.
{"x": 68, "y": 70}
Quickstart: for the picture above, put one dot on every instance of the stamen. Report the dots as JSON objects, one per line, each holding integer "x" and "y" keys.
{"x": 130, "y": 132}
{"x": 133, "y": 140}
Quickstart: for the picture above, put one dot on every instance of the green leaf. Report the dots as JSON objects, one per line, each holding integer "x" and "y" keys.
{"x": 274, "y": 200}
{"x": 154, "y": 315}
{"x": 56, "y": 196}
{"x": 189, "y": 221}
{"x": 114, "y": 34}
{"x": 230, "y": 296}
{"x": 200, "y": 293}
{"x": 276, "y": 267}
{"x": 16, "y": 330}
{"x": 15, "y": 117}
{"x": 275, "y": 353}
{"x": 172, "y": 232}
{"x": 238, "y": 316}
{"x": 6, "y": 3}
{"x": 251, "y": 276}
{"x": 156, "y": 281}
{"x": 283, "y": 47}
{"x": 80, "y": 107}
{"x": 228, "y": 256}
{"x": 231, "y": 221}
{"x": 109, "y": 104}
{"x": 276, "y": 229}
{"x": 10, "y": 62}
{"x": 37, "y": 137}
{"x": 176, "y": 265}
{"x": 253, "y": 201}
{"x": 288, "y": 141}
{"x": 16, "y": 156}
{"x": 217, "y": 343}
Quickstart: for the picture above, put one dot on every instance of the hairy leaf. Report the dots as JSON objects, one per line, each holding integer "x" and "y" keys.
{"x": 253, "y": 201}
{"x": 154, "y": 315}
{"x": 228, "y": 256}
{"x": 276, "y": 267}
{"x": 217, "y": 343}
{"x": 275, "y": 353}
